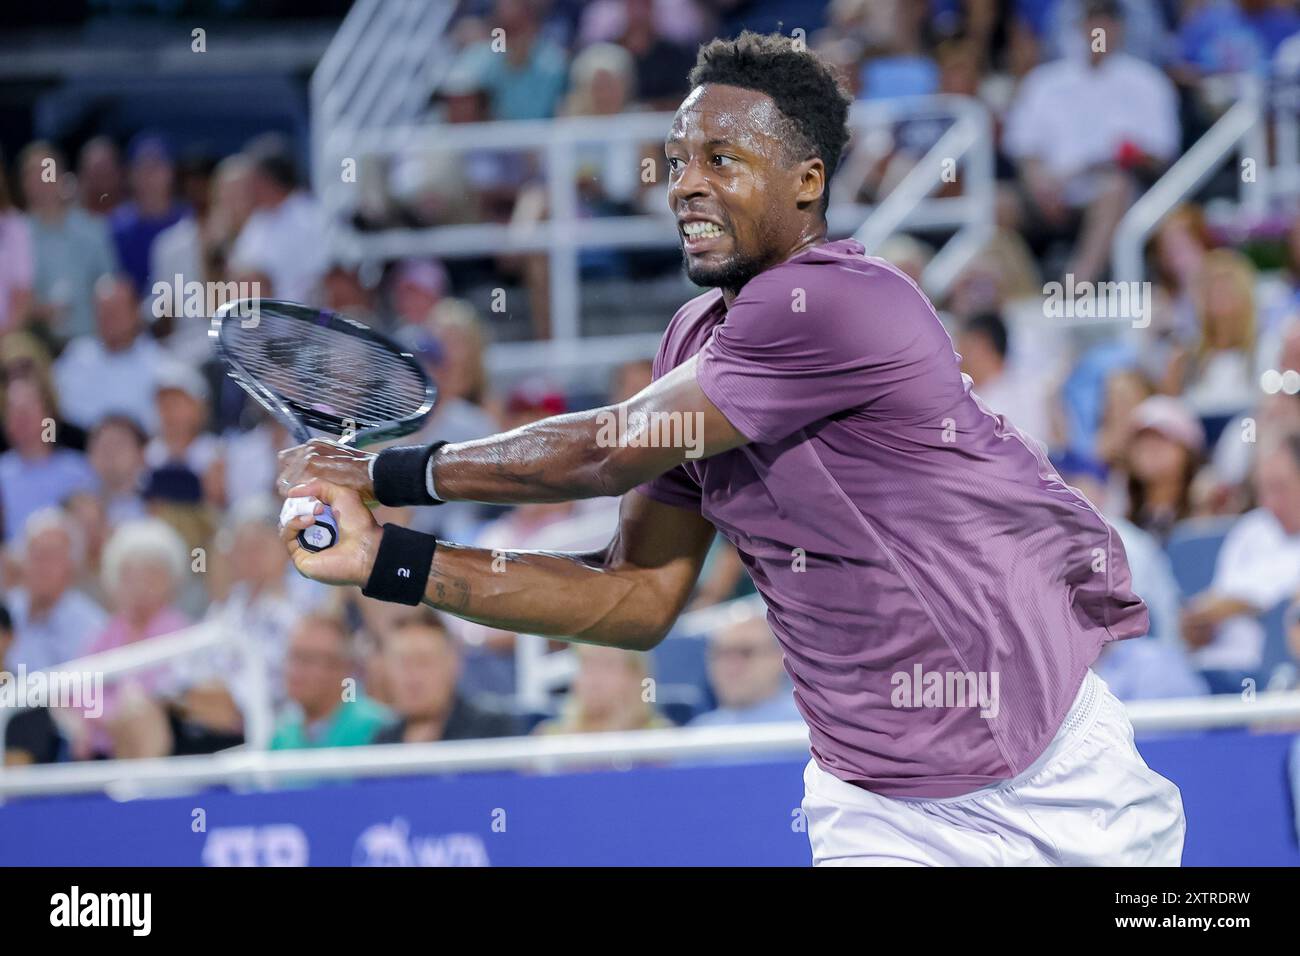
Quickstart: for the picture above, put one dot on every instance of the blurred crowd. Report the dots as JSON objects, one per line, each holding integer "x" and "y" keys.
{"x": 136, "y": 482}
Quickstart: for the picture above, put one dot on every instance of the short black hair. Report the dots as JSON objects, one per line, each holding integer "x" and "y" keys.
{"x": 991, "y": 326}
{"x": 125, "y": 422}
{"x": 272, "y": 155}
{"x": 1103, "y": 8}
{"x": 803, "y": 86}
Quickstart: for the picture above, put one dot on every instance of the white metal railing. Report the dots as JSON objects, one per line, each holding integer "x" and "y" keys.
{"x": 221, "y": 632}
{"x": 968, "y": 140}
{"x": 126, "y": 779}
{"x": 373, "y": 51}
{"x": 1262, "y": 126}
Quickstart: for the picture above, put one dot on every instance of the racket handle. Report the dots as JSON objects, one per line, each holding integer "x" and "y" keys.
{"x": 321, "y": 535}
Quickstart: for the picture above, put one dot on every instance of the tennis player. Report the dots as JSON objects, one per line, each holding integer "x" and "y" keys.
{"x": 938, "y": 591}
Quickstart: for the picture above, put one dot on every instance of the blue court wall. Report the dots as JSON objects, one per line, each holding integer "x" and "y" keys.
{"x": 1235, "y": 791}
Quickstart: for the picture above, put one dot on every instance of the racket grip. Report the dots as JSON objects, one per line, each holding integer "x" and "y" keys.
{"x": 321, "y": 535}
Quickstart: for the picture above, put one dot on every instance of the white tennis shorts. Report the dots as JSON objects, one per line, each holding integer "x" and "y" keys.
{"x": 1089, "y": 800}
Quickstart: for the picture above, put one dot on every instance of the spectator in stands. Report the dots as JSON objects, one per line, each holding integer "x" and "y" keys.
{"x": 1214, "y": 37}
{"x": 255, "y": 599}
{"x": 748, "y": 677}
{"x": 418, "y": 286}
{"x": 1218, "y": 375}
{"x": 232, "y": 203}
{"x": 902, "y": 65}
{"x": 35, "y": 472}
{"x": 983, "y": 345}
{"x": 1161, "y": 461}
{"x": 116, "y": 453}
{"x": 523, "y": 72}
{"x": 198, "y": 248}
{"x": 152, "y": 208}
{"x": 1125, "y": 390}
{"x": 1274, "y": 415}
{"x": 610, "y": 692}
{"x": 453, "y": 356}
{"x": 54, "y": 621}
{"x": 660, "y": 62}
{"x": 282, "y": 236}
{"x": 30, "y": 736}
{"x": 182, "y": 401}
{"x": 423, "y": 664}
{"x": 176, "y": 259}
{"x": 1001, "y": 276}
{"x": 88, "y": 511}
{"x": 145, "y": 565}
{"x": 72, "y": 249}
{"x": 1145, "y": 36}
{"x": 114, "y": 371}
{"x": 1177, "y": 255}
{"x": 1258, "y": 567}
{"x": 463, "y": 371}
{"x": 329, "y": 711}
{"x": 17, "y": 263}
{"x": 344, "y": 290}
{"x": 24, "y": 356}
{"x": 1277, "y": 300}
{"x": 101, "y": 182}
{"x": 1077, "y": 166}
{"x": 174, "y": 494}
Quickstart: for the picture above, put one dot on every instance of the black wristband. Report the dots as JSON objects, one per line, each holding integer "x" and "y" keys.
{"x": 400, "y": 475}
{"x": 402, "y": 565}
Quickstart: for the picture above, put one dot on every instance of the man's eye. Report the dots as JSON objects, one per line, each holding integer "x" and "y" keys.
{"x": 722, "y": 160}
{"x": 673, "y": 162}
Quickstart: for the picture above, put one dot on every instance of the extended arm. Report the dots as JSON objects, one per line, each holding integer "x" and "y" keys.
{"x": 606, "y": 451}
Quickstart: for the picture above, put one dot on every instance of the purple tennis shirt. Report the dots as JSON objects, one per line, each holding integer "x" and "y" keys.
{"x": 939, "y": 592}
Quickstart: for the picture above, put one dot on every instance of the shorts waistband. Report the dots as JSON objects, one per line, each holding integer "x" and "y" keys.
{"x": 1076, "y": 725}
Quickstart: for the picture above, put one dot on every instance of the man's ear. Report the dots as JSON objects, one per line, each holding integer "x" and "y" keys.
{"x": 812, "y": 181}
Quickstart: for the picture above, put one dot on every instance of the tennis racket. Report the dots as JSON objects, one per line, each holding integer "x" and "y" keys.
{"x": 315, "y": 370}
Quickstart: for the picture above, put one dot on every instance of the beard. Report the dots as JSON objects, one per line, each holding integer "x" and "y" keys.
{"x": 731, "y": 274}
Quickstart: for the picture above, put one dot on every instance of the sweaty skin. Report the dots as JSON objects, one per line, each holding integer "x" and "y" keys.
{"x": 729, "y": 165}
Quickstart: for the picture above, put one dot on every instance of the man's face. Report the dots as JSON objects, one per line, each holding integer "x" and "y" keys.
{"x": 731, "y": 185}
{"x": 48, "y": 566}
{"x": 116, "y": 455}
{"x": 179, "y": 412}
{"x": 1277, "y": 483}
{"x": 606, "y": 682}
{"x": 40, "y": 188}
{"x": 315, "y": 666}
{"x": 424, "y": 668}
{"x": 25, "y": 413}
{"x": 1103, "y": 34}
{"x": 152, "y": 179}
{"x": 115, "y": 314}
{"x": 745, "y": 664}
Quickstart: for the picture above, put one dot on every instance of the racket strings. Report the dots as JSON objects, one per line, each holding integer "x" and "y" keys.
{"x": 326, "y": 371}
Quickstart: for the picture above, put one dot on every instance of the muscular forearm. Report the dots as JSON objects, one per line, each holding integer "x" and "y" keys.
{"x": 556, "y": 459}
{"x": 570, "y": 595}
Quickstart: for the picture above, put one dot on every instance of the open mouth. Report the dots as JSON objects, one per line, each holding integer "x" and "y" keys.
{"x": 699, "y": 235}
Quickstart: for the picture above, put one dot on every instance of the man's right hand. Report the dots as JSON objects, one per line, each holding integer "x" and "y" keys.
{"x": 338, "y": 464}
